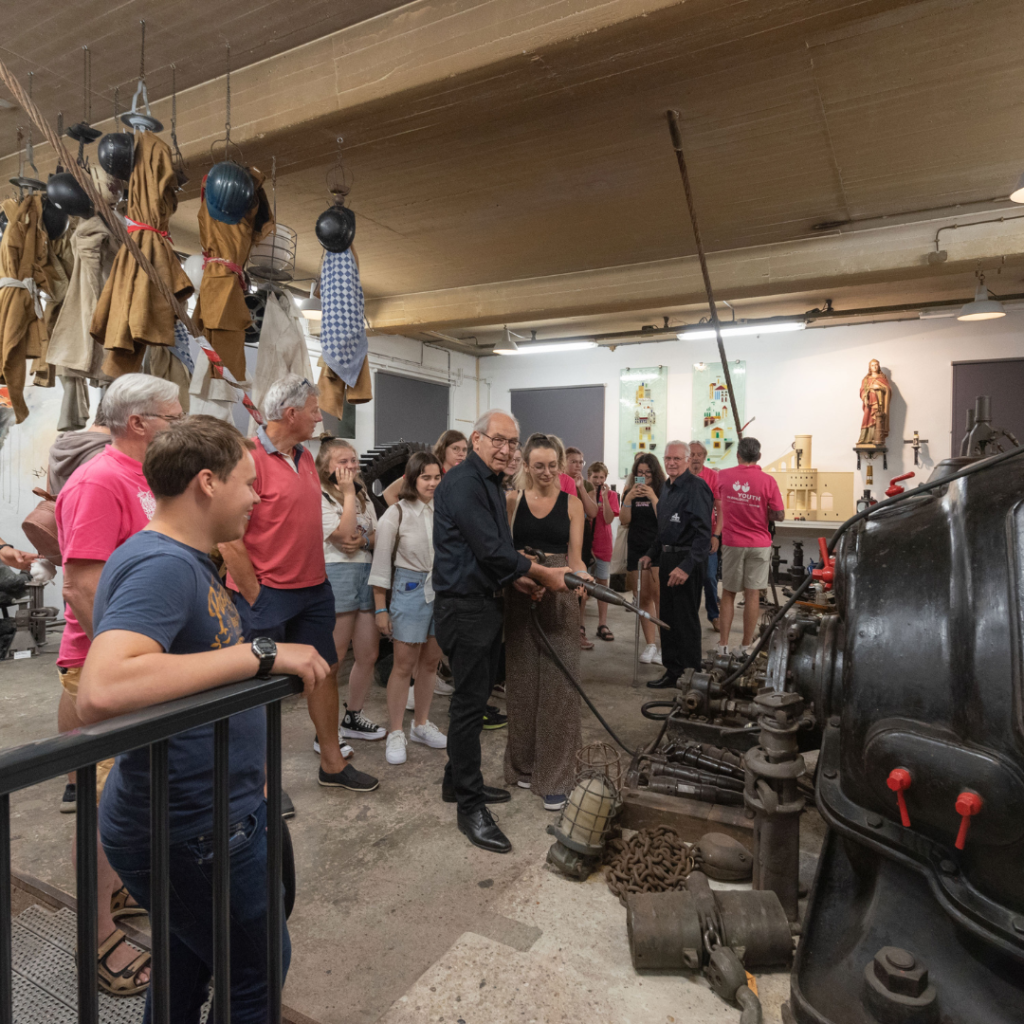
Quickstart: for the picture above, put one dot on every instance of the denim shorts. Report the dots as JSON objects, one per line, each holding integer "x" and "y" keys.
{"x": 352, "y": 592}
{"x": 412, "y": 619}
{"x": 601, "y": 570}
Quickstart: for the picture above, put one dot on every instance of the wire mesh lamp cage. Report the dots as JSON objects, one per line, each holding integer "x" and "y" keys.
{"x": 273, "y": 259}
{"x": 588, "y": 813}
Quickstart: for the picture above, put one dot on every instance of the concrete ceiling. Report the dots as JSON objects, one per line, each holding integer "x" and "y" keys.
{"x": 511, "y": 163}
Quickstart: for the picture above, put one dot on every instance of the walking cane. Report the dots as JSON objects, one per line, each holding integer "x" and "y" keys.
{"x": 636, "y": 635}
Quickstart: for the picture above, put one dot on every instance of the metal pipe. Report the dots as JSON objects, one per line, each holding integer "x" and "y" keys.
{"x": 275, "y": 920}
{"x": 85, "y": 871}
{"x": 677, "y": 144}
{"x": 6, "y": 945}
{"x": 221, "y": 876}
{"x": 160, "y": 870}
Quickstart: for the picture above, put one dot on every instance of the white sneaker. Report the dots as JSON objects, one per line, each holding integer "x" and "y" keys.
{"x": 429, "y": 734}
{"x": 656, "y": 660}
{"x": 524, "y": 783}
{"x": 410, "y": 704}
{"x": 723, "y": 650}
{"x": 346, "y": 750}
{"x": 648, "y": 653}
{"x": 394, "y": 749}
{"x": 443, "y": 689}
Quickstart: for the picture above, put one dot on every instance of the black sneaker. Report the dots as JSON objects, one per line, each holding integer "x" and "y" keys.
{"x": 287, "y": 807}
{"x": 69, "y": 801}
{"x": 350, "y": 778}
{"x": 494, "y": 719}
{"x": 356, "y": 726}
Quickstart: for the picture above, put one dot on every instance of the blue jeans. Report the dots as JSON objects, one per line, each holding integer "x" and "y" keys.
{"x": 191, "y": 914}
{"x": 711, "y": 587}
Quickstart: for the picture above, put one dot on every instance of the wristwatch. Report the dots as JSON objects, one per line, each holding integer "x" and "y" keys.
{"x": 266, "y": 650}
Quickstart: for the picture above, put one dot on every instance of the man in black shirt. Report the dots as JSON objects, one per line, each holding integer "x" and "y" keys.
{"x": 681, "y": 551}
{"x": 474, "y": 558}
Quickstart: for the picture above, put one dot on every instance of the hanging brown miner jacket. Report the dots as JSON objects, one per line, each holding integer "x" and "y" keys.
{"x": 24, "y": 271}
{"x": 131, "y": 313}
{"x": 221, "y": 313}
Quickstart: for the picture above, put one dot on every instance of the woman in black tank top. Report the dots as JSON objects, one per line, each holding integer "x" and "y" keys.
{"x": 543, "y": 708}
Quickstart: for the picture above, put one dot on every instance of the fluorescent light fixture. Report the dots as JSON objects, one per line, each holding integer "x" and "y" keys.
{"x": 739, "y": 330}
{"x": 310, "y": 307}
{"x": 538, "y": 350}
{"x": 983, "y": 307}
{"x": 1017, "y": 195}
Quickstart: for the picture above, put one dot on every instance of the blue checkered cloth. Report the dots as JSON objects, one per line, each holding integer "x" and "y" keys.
{"x": 181, "y": 346}
{"x": 343, "y": 327}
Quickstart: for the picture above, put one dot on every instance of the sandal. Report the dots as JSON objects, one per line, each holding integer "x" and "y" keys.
{"x": 124, "y": 982}
{"x": 120, "y": 907}
{"x": 605, "y": 633}
{"x": 585, "y": 644}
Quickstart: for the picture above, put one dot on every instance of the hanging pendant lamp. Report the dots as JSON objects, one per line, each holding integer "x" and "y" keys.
{"x": 135, "y": 118}
{"x": 983, "y": 307}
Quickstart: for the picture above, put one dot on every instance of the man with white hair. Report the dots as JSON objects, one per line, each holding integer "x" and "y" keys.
{"x": 277, "y": 569}
{"x": 681, "y": 550}
{"x": 106, "y": 501}
{"x": 474, "y": 559}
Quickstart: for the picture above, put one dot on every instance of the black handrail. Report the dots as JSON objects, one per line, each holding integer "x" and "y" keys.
{"x": 79, "y": 751}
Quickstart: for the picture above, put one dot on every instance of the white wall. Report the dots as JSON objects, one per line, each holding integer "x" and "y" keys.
{"x": 798, "y": 383}
{"x": 23, "y": 457}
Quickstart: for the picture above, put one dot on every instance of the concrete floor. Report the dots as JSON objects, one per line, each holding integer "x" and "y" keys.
{"x": 398, "y": 918}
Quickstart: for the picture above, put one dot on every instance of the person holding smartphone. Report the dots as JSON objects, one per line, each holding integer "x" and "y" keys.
{"x": 607, "y": 502}
{"x": 640, "y": 513}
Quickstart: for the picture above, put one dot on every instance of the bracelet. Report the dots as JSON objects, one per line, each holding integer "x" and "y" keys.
{"x": 380, "y": 611}
{"x": 6, "y": 545}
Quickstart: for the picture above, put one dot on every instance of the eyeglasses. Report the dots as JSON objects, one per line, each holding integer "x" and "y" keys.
{"x": 503, "y": 442}
{"x": 180, "y": 418}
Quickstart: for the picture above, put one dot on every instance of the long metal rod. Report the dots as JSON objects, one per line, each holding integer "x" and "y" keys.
{"x": 88, "y": 952}
{"x": 275, "y": 917}
{"x": 6, "y": 946}
{"x": 159, "y": 869}
{"x": 221, "y": 876}
{"x": 677, "y": 143}
{"x": 636, "y": 634}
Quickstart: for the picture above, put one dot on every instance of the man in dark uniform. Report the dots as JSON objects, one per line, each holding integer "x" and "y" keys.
{"x": 474, "y": 558}
{"x": 681, "y": 552}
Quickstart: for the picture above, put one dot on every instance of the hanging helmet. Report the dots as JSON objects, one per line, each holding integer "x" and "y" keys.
{"x": 116, "y": 154}
{"x": 336, "y": 228}
{"x": 230, "y": 191}
{"x": 193, "y": 267}
{"x": 55, "y": 220}
{"x": 66, "y": 194}
{"x": 3, "y": 223}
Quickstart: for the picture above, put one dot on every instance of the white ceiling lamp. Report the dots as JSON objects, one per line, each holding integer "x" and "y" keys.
{"x": 310, "y": 307}
{"x": 739, "y": 330}
{"x": 507, "y": 346}
{"x": 1017, "y": 195}
{"x": 983, "y": 307}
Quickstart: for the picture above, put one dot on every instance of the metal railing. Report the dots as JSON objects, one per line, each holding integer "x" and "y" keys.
{"x": 79, "y": 751}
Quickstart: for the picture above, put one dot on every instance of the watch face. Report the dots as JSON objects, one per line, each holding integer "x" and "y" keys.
{"x": 265, "y": 646}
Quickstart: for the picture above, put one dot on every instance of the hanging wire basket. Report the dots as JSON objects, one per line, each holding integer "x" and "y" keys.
{"x": 273, "y": 259}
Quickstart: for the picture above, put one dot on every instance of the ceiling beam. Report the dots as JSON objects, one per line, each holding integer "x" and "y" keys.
{"x": 807, "y": 264}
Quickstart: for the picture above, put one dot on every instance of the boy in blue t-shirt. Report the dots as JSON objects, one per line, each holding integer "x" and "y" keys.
{"x": 165, "y": 627}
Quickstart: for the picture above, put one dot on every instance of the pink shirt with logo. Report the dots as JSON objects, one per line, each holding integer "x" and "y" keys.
{"x": 710, "y": 477}
{"x": 103, "y": 503}
{"x": 747, "y": 495}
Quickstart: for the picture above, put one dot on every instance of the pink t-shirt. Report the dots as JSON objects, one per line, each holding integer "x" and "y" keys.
{"x": 104, "y": 502}
{"x": 747, "y": 495}
{"x": 285, "y": 537}
{"x": 602, "y": 544}
{"x": 710, "y": 477}
{"x": 567, "y": 484}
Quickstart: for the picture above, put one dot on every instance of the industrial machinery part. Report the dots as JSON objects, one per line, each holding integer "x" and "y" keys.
{"x": 981, "y": 437}
{"x": 652, "y": 860}
{"x": 674, "y": 930}
{"x": 770, "y": 791}
{"x": 917, "y": 688}
{"x": 723, "y": 858}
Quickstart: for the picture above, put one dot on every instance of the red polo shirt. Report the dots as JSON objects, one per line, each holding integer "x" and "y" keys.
{"x": 285, "y": 536}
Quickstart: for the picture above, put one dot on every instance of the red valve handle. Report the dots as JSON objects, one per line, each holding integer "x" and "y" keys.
{"x": 827, "y": 573}
{"x": 894, "y": 488}
{"x": 899, "y": 780}
{"x": 967, "y": 805}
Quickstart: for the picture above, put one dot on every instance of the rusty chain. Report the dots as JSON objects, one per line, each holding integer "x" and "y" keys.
{"x": 651, "y": 860}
